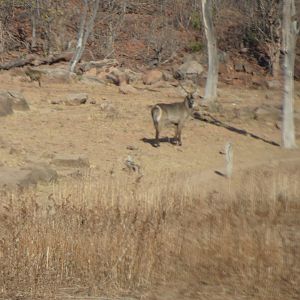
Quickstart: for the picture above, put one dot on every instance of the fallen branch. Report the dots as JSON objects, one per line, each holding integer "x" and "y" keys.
{"x": 36, "y": 61}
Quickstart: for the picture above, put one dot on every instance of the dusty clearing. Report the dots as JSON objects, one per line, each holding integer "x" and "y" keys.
{"x": 197, "y": 208}
{"x": 104, "y": 136}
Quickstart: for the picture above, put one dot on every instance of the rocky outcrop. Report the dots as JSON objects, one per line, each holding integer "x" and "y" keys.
{"x": 11, "y": 101}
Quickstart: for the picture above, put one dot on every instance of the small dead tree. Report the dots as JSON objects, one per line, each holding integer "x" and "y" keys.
{"x": 213, "y": 63}
{"x": 290, "y": 30}
{"x": 35, "y": 14}
{"x": 85, "y": 29}
{"x": 229, "y": 159}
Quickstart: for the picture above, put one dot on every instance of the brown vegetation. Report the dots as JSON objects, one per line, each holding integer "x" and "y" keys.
{"x": 108, "y": 239}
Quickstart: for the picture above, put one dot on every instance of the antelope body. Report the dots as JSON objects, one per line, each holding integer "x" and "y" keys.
{"x": 172, "y": 114}
{"x": 34, "y": 75}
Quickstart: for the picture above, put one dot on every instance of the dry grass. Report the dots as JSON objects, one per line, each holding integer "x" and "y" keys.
{"x": 111, "y": 238}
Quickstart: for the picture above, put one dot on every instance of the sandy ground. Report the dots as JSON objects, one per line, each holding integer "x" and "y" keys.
{"x": 104, "y": 136}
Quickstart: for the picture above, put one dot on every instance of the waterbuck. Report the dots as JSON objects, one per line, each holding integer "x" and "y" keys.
{"x": 172, "y": 114}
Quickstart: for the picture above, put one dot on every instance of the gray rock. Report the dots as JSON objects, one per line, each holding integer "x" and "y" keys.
{"x": 11, "y": 101}
{"x": 267, "y": 113}
{"x": 127, "y": 89}
{"x": 5, "y": 105}
{"x": 188, "y": 68}
{"x": 57, "y": 75}
{"x": 76, "y": 99}
{"x": 19, "y": 103}
{"x": 152, "y": 76}
{"x": 91, "y": 80}
{"x": 238, "y": 67}
{"x": 273, "y": 84}
{"x": 71, "y": 161}
{"x": 13, "y": 177}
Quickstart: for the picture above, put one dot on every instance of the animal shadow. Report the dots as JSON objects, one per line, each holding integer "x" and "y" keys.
{"x": 161, "y": 140}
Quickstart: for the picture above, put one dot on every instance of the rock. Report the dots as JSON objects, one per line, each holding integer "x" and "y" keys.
{"x": 188, "y": 69}
{"x": 57, "y": 75}
{"x": 91, "y": 72}
{"x": 118, "y": 77}
{"x": 98, "y": 64}
{"x": 19, "y": 103}
{"x": 267, "y": 113}
{"x": 238, "y": 67}
{"x": 11, "y": 101}
{"x": 133, "y": 76}
{"x": 91, "y": 80}
{"x": 127, "y": 89}
{"x": 13, "y": 177}
{"x": 131, "y": 165}
{"x": 5, "y": 105}
{"x": 76, "y": 99}
{"x": 71, "y": 161}
{"x": 273, "y": 84}
{"x": 223, "y": 57}
{"x": 249, "y": 69}
{"x": 168, "y": 76}
{"x": 152, "y": 76}
{"x": 223, "y": 69}
{"x": 258, "y": 82}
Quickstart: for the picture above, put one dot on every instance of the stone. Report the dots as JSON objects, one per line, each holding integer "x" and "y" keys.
{"x": 11, "y": 101}
{"x": 5, "y": 105}
{"x": 14, "y": 177}
{"x": 19, "y": 103}
{"x": 273, "y": 84}
{"x": 188, "y": 68}
{"x": 57, "y": 75}
{"x": 238, "y": 67}
{"x": 92, "y": 80}
{"x": 71, "y": 161}
{"x": 267, "y": 113}
{"x": 127, "y": 89}
{"x": 76, "y": 99}
{"x": 91, "y": 72}
{"x": 152, "y": 77}
{"x": 117, "y": 77}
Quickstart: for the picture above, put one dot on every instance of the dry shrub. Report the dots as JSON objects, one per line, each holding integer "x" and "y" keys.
{"x": 114, "y": 238}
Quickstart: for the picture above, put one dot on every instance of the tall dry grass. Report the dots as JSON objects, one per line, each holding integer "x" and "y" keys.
{"x": 238, "y": 239}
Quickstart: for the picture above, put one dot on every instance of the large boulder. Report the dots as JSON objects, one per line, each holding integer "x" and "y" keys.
{"x": 11, "y": 101}
{"x": 19, "y": 103}
{"x": 152, "y": 77}
{"x": 118, "y": 76}
{"x": 127, "y": 89}
{"x": 57, "y": 75}
{"x": 14, "y": 177}
{"x": 76, "y": 99}
{"x": 5, "y": 105}
{"x": 189, "y": 69}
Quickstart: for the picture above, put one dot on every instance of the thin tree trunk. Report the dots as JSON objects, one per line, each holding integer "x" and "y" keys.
{"x": 77, "y": 54}
{"x": 84, "y": 32}
{"x": 290, "y": 30}
{"x": 33, "y": 42}
{"x": 213, "y": 64}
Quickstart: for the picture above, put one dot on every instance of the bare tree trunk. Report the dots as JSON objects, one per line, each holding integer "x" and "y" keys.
{"x": 213, "y": 63}
{"x": 33, "y": 41}
{"x": 2, "y": 38}
{"x": 79, "y": 46}
{"x": 84, "y": 32}
{"x": 290, "y": 30}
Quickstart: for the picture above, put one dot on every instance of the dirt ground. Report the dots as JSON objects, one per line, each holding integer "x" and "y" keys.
{"x": 107, "y": 136}
{"x": 115, "y": 126}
